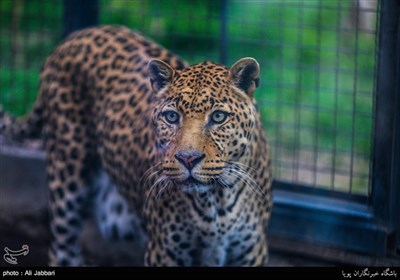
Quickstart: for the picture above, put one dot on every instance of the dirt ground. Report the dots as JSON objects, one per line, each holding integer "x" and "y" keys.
{"x": 24, "y": 217}
{"x": 24, "y": 221}
{"x": 32, "y": 231}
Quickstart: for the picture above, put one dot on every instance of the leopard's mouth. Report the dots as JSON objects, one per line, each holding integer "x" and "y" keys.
{"x": 191, "y": 184}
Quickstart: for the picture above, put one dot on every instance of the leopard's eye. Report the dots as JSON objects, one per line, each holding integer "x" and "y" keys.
{"x": 171, "y": 117}
{"x": 218, "y": 117}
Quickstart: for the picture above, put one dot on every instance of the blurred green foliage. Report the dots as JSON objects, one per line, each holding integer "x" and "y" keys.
{"x": 29, "y": 30}
{"x": 317, "y": 69}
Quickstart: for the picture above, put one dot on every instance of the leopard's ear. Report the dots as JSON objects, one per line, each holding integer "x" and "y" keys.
{"x": 161, "y": 74}
{"x": 245, "y": 75}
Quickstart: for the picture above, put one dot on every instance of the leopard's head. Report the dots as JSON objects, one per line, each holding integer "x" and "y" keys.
{"x": 204, "y": 120}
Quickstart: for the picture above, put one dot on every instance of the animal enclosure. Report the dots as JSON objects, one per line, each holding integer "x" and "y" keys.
{"x": 328, "y": 95}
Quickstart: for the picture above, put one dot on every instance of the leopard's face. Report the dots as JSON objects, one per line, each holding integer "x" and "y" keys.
{"x": 204, "y": 121}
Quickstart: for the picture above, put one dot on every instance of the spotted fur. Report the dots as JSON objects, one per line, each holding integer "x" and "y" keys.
{"x": 179, "y": 151}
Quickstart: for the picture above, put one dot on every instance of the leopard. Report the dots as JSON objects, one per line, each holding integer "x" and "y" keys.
{"x": 154, "y": 146}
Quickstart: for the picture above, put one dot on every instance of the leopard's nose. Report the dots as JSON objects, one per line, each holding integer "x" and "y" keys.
{"x": 189, "y": 159}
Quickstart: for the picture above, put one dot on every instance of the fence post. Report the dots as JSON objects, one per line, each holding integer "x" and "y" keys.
{"x": 395, "y": 199}
{"x": 223, "y": 36}
{"x": 385, "y": 188}
{"x": 79, "y": 14}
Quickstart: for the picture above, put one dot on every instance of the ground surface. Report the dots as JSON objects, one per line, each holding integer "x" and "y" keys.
{"x": 24, "y": 218}
{"x": 24, "y": 221}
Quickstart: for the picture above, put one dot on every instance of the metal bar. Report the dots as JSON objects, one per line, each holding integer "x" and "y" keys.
{"x": 24, "y": 42}
{"x": 257, "y": 42}
{"x": 394, "y": 201}
{"x": 322, "y": 89}
{"x": 355, "y": 81}
{"x": 324, "y": 170}
{"x": 318, "y": 192}
{"x": 321, "y": 130}
{"x": 279, "y": 95}
{"x": 298, "y": 98}
{"x": 317, "y": 84}
{"x": 305, "y": 25}
{"x": 373, "y": 127}
{"x": 384, "y": 132}
{"x": 79, "y": 14}
{"x": 335, "y": 112}
{"x": 366, "y": 115}
{"x": 223, "y": 33}
{"x": 325, "y": 68}
{"x": 289, "y": 146}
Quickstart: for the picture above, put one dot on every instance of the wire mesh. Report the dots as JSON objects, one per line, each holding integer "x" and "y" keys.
{"x": 190, "y": 28}
{"x": 29, "y": 30}
{"x": 320, "y": 92}
{"x": 317, "y": 60}
{"x": 317, "y": 84}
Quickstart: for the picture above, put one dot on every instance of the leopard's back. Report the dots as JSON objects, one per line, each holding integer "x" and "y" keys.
{"x": 96, "y": 90}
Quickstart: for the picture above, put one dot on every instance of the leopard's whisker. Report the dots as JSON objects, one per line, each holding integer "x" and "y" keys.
{"x": 153, "y": 174}
{"x": 243, "y": 175}
{"x": 149, "y": 171}
{"x": 151, "y": 189}
{"x": 162, "y": 189}
{"x": 254, "y": 187}
{"x": 239, "y": 164}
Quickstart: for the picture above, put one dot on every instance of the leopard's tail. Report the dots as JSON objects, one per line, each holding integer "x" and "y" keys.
{"x": 28, "y": 126}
